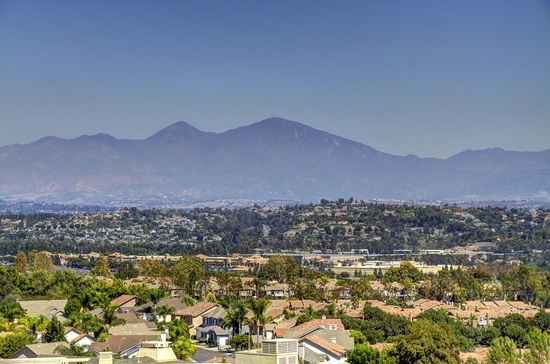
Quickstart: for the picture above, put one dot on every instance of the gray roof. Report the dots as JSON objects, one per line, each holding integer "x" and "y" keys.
{"x": 219, "y": 312}
{"x": 47, "y": 308}
{"x": 118, "y": 343}
{"x": 312, "y": 357}
{"x": 172, "y": 302}
{"x": 140, "y": 328}
{"x": 41, "y": 349}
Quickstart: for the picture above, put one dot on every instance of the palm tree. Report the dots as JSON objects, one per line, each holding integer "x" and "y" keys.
{"x": 86, "y": 299}
{"x": 35, "y": 323}
{"x": 85, "y": 322}
{"x": 259, "y": 285}
{"x": 11, "y": 310}
{"x": 110, "y": 318}
{"x": 258, "y": 306}
{"x": 100, "y": 300}
{"x": 164, "y": 311}
{"x": 236, "y": 315}
{"x": 74, "y": 350}
{"x": 155, "y": 295}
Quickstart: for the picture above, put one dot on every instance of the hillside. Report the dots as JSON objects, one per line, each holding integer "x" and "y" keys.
{"x": 272, "y": 159}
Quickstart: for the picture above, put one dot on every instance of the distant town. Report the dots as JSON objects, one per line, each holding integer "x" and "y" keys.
{"x": 336, "y": 281}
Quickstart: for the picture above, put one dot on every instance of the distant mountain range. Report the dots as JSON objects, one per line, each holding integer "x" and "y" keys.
{"x": 272, "y": 159}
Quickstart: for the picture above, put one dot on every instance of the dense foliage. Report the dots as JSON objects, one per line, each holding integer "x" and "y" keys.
{"x": 330, "y": 226}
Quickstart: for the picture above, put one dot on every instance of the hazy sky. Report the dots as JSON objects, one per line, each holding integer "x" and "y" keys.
{"x": 431, "y": 78}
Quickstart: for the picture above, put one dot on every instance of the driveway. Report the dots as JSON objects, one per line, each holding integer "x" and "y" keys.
{"x": 204, "y": 354}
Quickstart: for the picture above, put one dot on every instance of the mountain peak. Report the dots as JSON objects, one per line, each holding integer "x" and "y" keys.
{"x": 177, "y": 132}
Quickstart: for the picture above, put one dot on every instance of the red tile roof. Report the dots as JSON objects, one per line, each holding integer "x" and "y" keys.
{"x": 324, "y": 323}
{"x": 334, "y": 348}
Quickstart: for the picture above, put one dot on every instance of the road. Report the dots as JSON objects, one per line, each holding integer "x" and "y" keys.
{"x": 203, "y": 354}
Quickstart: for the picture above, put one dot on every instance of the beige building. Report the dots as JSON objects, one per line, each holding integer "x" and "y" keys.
{"x": 276, "y": 351}
{"x": 369, "y": 267}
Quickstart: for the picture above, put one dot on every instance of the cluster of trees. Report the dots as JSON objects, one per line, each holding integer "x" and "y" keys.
{"x": 330, "y": 226}
{"x": 436, "y": 338}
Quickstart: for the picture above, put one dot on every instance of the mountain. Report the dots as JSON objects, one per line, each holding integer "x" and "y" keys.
{"x": 272, "y": 159}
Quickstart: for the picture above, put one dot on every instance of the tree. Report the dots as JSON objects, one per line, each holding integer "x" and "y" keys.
{"x": 155, "y": 295}
{"x": 11, "y": 310}
{"x": 85, "y": 322}
{"x": 20, "y": 262}
{"x": 40, "y": 261}
{"x": 364, "y": 354}
{"x": 35, "y": 323}
{"x": 126, "y": 270}
{"x": 236, "y": 315}
{"x": 72, "y": 306}
{"x": 405, "y": 271}
{"x": 180, "y": 337}
{"x": 9, "y": 344}
{"x": 189, "y": 274}
{"x": 74, "y": 350}
{"x": 54, "y": 331}
{"x": 542, "y": 320}
{"x": 427, "y": 343}
{"x": 110, "y": 318}
{"x": 281, "y": 268}
{"x": 515, "y": 326}
{"x": 503, "y": 351}
{"x": 86, "y": 300}
{"x": 164, "y": 311}
{"x": 101, "y": 268}
{"x": 538, "y": 343}
{"x": 240, "y": 342}
{"x": 258, "y": 306}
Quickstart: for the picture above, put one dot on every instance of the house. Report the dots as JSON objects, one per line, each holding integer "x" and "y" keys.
{"x": 126, "y": 302}
{"x": 48, "y": 308}
{"x": 145, "y": 310}
{"x": 38, "y": 350}
{"x": 78, "y": 338}
{"x": 192, "y": 315}
{"x": 315, "y": 349}
{"x": 83, "y": 340}
{"x": 71, "y": 333}
{"x": 210, "y": 330}
{"x": 322, "y": 340}
{"x": 277, "y": 291}
{"x": 124, "y": 345}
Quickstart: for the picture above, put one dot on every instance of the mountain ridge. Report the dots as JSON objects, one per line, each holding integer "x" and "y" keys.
{"x": 271, "y": 159}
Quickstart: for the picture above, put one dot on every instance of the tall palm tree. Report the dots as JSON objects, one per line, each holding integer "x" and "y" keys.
{"x": 85, "y": 322}
{"x": 164, "y": 311}
{"x": 258, "y": 306}
{"x": 110, "y": 318}
{"x": 86, "y": 299}
{"x": 74, "y": 350}
{"x": 236, "y": 315}
{"x": 155, "y": 295}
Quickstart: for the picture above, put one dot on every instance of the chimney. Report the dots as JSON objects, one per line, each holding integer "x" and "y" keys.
{"x": 333, "y": 340}
{"x": 324, "y": 317}
{"x": 105, "y": 357}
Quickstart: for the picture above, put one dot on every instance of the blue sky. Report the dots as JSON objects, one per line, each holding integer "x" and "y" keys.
{"x": 430, "y": 78}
